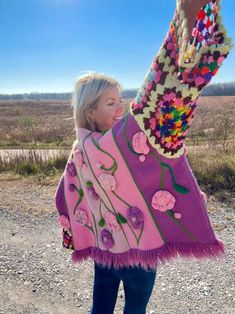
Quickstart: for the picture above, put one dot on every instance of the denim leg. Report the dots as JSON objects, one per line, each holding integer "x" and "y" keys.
{"x": 105, "y": 290}
{"x": 138, "y": 285}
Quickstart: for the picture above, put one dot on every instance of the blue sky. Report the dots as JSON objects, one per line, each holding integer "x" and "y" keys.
{"x": 47, "y": 44}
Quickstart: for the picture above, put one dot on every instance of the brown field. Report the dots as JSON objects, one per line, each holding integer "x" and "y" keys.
{"x": 45, "y": 123}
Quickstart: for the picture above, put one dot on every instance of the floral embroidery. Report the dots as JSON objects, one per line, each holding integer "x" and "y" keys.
{"x": 163, "y": 200}
{"x": 63, "y": 221}
{"x": 98, "y": 164}
{"x": 107, "y": 181}
{"x": 107, "y": 239}
{"x": 139, "y": 143}
{"x": 142, "y": 158}
{"x": 111, "y": 221}
{"x": 70, "y": 168}
{"x": 135, "y": 217}
{"x": 92, "y": 193}
{"x": 177, "y": 215}
{"x": 79, "y": 157}
{"x": 80, "y": 216}
{"x": 72, "y": 187}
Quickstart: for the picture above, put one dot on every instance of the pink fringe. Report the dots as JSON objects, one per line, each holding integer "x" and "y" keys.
{"x": 152, "y": 258}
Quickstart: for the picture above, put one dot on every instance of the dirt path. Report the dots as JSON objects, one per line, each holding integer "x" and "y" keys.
{"x": 36, "y": 275}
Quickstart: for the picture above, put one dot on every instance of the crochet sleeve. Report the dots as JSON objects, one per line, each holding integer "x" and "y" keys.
{"x": 165, "y": 104}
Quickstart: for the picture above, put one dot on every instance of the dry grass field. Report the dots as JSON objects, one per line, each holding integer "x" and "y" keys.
{"x": 44, "y": 123}
{"x": 32, "y": 123}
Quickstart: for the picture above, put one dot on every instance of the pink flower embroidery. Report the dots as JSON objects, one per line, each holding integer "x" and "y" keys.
{"x": 111, "y": 221}
{"x": 177, "y": 215}
{"x": 163, "y": 200}
{"x": 80, "y": 216}
{"x": 139, "y": 143}
{"x": 63, "y": 221}
{"x": 79, "y": 157}
{"x": 142, "y": 158}
{"x": 107, "y": 181}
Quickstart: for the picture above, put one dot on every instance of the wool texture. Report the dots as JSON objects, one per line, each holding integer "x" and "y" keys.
{"x": 128, "y": 196}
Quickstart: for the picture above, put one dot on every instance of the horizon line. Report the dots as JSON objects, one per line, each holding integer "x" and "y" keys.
{"x": 66, "y": 92}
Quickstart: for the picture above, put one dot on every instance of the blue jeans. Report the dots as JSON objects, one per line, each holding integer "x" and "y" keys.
{"x": 138, "y": 285}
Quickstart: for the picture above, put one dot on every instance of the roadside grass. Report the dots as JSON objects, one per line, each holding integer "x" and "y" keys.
{"x": 47, "y": 123}
{"x": 214, "y": 168}
{"x": 32, "y": 163}
{"x": 36, "y": 125}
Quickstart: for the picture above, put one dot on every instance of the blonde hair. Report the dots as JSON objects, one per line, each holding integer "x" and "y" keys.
{"x": 88, "y": 90}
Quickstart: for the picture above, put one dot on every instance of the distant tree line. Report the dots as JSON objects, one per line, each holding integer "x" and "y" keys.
{"x": 220, "y": 89}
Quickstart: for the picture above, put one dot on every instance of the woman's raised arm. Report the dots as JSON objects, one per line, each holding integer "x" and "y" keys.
{"x": 189, "y": 57}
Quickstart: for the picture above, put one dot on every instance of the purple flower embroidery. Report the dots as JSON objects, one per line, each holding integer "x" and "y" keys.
{"x": 80, "y": 216}
{"x": 163, "y": 201}
{"x": 107, "y": 239}
{"x": 107, "y": 181}
{"x": 92, "y": 193}
{"x": 63, "y": 221}
{"x": 70, "y": 168}
{"x": 72, "y": 187}
{"x": 135, "y": 217}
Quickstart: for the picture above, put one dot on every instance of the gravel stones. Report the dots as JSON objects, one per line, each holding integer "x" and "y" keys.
{"x": 37, "y": 276}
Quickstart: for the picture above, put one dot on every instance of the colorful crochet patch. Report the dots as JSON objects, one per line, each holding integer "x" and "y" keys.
{"x": 165, "y": 105}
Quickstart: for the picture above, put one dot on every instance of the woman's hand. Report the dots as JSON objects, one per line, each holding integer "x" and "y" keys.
{"x": 191, "y": 9}
{"x": 204, "y": 196}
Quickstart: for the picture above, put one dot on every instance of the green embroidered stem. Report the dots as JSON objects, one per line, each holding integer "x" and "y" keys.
{"x": 177, "y": 187}
{"x": 82, "y": 176}
{"x": 171, "y": 215}
{"x": 128, "y": 205}
{"x": 162, "y": 177}
{"x": 114, "y": 166}
{"x": 83, "y": 144}
{"x": 106, "y": 206}
{"x": 138, "y": 240}
{"x": 90, "y": 228}
{"x": 101, "y": 221}
{"x": 80, "y": 191}
{"x": 96, "y": 232}
{"x": 146, "y": 203}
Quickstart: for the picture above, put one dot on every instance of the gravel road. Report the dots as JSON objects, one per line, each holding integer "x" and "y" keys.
{"x": 36, "y": 275}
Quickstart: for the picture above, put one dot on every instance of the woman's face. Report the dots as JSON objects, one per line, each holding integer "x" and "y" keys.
{"x": 109, "y": 109}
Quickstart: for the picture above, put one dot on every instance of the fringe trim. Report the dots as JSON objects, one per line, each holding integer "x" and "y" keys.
{"x": 152, "y": 258}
